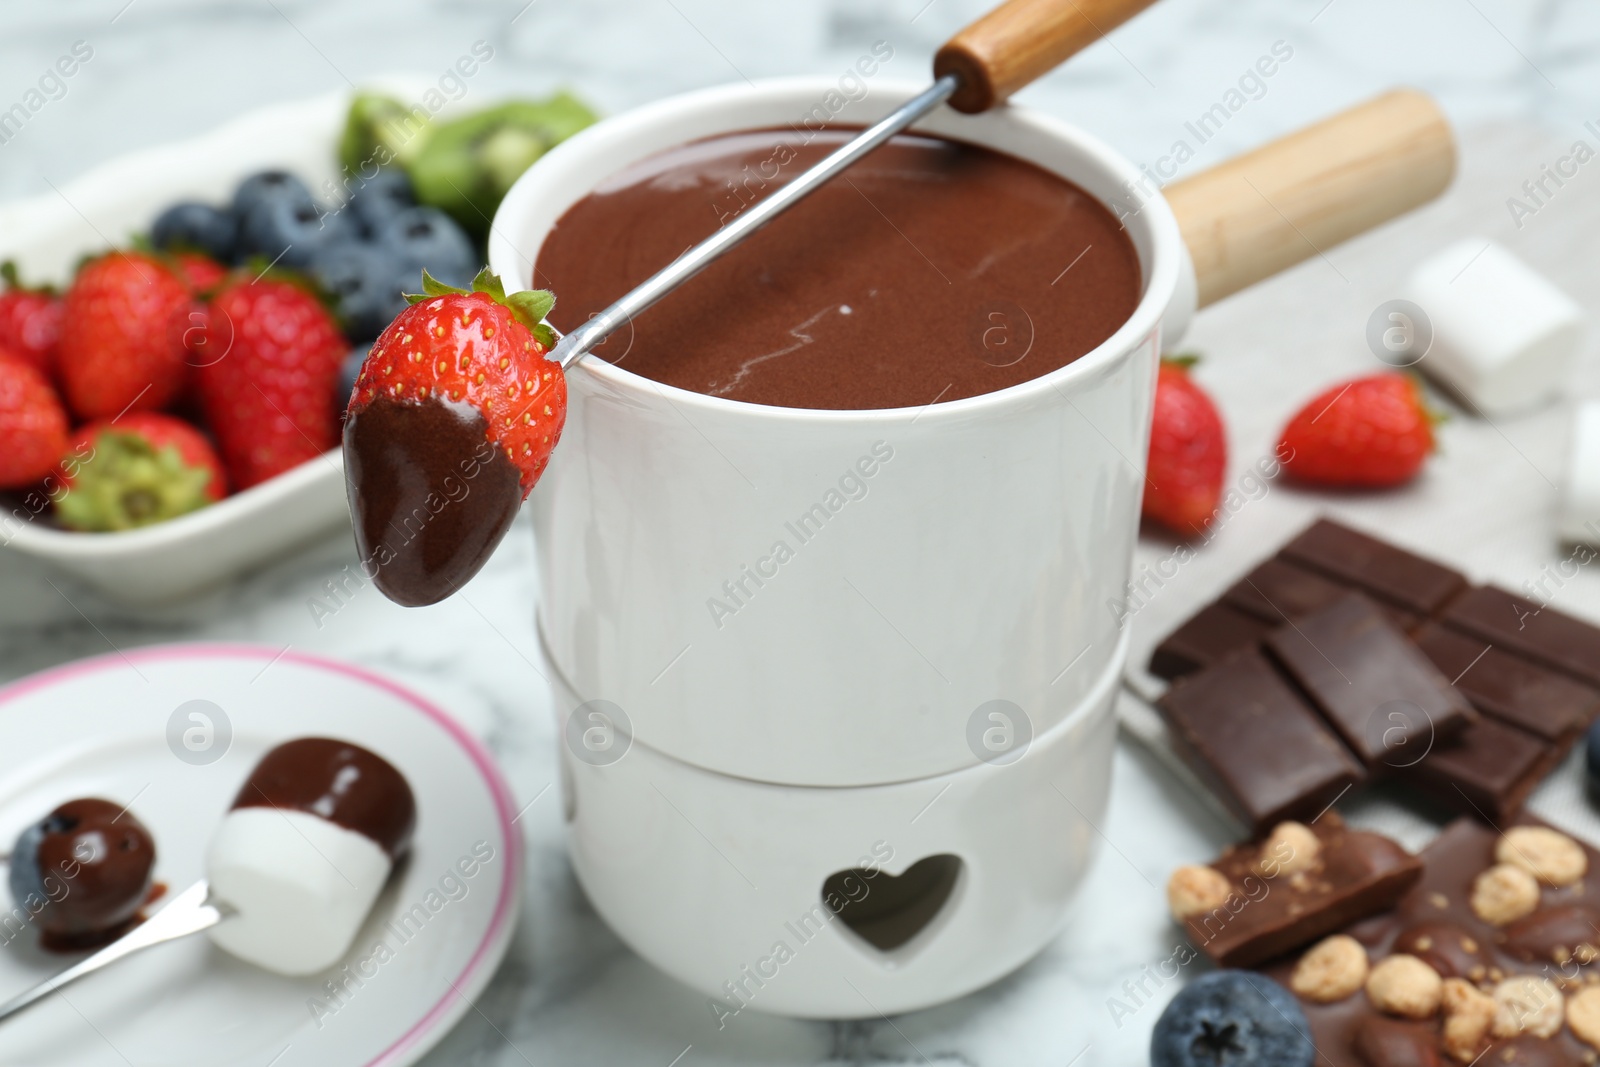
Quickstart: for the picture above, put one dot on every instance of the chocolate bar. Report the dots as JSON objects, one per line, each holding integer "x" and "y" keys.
{"x": 1505, "y": 928}
{"x": 1291, "y": 889}
{"x": 1535, "y": 671}
{"x": 1256, "y": 742}
{"x": 1214, "y": 633}
{"x": 1541, "y": 634}
{"x": 1385, "y": 571}
{"x": 1513, "y": 690}
{"x": 1384, "y": 697}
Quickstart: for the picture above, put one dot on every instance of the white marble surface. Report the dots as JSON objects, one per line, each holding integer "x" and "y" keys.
{"x": 570, "y": 992}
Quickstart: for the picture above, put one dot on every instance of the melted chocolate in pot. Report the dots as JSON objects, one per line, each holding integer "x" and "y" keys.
{"x": 931, "y": 269}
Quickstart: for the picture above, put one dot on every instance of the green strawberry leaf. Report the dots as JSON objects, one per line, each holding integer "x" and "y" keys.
{"x": 531, "y": 306}
{"x": 1183, "y": 360}
{"x": 131, "y": 483}
{"x": 13, "y": 280}
{"x": 489, "y": 282}
{"x": 544, "y": 335}
{"x": 432, "y": 286}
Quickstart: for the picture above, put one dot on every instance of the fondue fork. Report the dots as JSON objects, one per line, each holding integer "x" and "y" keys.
{"x": 976, "y": 69}
{"x": 187, "y": 913}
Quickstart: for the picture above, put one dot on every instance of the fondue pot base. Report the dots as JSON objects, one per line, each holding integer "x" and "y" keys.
{"x": 829, "y": 902}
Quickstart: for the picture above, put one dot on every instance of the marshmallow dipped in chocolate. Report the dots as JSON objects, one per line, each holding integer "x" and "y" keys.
{"x": 299, "y": 859}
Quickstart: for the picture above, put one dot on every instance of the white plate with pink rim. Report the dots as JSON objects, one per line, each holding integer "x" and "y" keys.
{"x": 172, "y": 731}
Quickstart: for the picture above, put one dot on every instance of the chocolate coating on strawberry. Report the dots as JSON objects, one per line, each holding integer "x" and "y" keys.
{"x": 453, "y": 419}
{"x": 434, "y": 498}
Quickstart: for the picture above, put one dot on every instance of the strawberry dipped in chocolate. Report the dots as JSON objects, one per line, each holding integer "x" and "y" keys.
{"x": 452, "y": 420}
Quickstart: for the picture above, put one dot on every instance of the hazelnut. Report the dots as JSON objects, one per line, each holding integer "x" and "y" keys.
{"x": 1291, "y": 848}
{"x": 1334, "y": 968}
{"x": 1549, "y": 855}
{"x": 1527, "y": 1004}
{"x": 1504, "y": 894}
{"x": 1405, "y": 986}
{"x": 1583, "y": 1015}
{"x": 1195, "y": 890}
{"x": 1467, "y": 1016}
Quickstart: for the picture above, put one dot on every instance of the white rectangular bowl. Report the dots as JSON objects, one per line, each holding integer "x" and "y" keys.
{"x": 47, "y": 234}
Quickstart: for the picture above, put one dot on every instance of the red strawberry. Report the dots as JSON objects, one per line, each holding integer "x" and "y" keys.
{"x": 453, "y": 419}
{"x": 140, "y": 469}
{"x": 1368, "y": 432}
{"x": 30, "y": 322}
{"x": 201, "y": 273}
{"x": 33, "y": 424}
{"x": 1188, "y": 452}
{"x": 121, "y": 336}
{"x": 268, "y": 359}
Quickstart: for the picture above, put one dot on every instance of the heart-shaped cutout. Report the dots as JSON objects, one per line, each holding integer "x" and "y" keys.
{"x": 887, "y": 910}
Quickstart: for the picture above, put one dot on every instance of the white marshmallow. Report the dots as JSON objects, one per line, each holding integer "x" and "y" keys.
{"x": 301, "y": 885}
{"x": 1580, "y": 504}
{"x": 1503, "y": 335}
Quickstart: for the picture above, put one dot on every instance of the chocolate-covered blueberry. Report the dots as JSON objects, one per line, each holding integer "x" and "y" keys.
{"x": 1445, "y": 947}
{"x": 83, "y": 872}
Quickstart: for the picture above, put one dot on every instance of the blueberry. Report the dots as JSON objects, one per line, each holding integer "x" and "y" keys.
{"x": 365, "y": 285}
{"x": 377, "y": 200}
{"x": 425, "y": 238}
{"x": 25, "y": 877}
{"x": 348, "y": 370}
{"x": 291, "y": 233}
{"x": 1232, "y": 1019}
{"x": 269, "y": 186}
{"x": 196, "y": 227}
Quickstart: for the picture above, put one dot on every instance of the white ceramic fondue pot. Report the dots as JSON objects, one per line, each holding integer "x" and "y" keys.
{"x": 939, "y": 613}
{"x": 940, "y": 557}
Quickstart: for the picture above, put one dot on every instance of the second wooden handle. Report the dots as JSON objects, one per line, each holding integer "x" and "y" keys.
{"x": 1251, "y": 217}
{"x": 1022, "y": 39}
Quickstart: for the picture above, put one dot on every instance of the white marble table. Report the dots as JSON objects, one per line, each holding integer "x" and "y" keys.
{"x": 570, "y": 992}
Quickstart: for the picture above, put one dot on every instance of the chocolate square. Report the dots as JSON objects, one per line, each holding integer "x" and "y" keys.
{"x": 1257, "y": 744}
{"x": 1542, "y": 634}
{"x": 1487, "y": 770}
{"x": 1512, "y": 689}
{"x": 1387, "y": 572}
{"x": 1279, "y": 590}
{"x": 1384, "y": 697}
{"x": 1356, "y": 874}
{"x": 1212, "y": 634}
